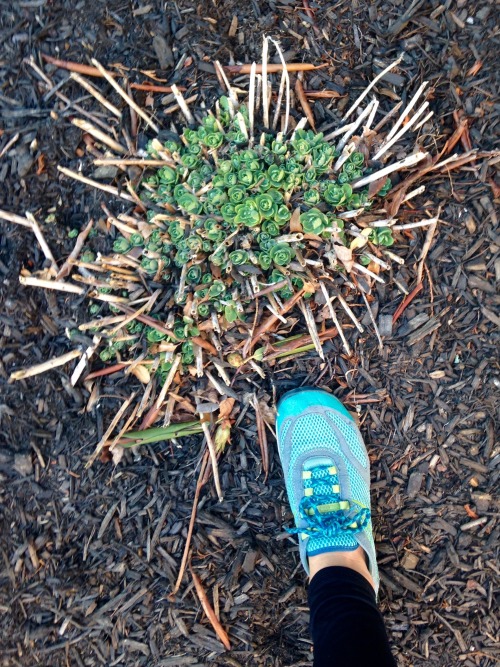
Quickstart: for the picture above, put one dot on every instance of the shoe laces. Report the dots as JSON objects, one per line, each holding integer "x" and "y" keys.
{"x": 324, "y": 511}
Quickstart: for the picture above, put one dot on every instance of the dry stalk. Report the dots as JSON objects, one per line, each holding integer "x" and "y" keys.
{"x": 45, "y": 366}
{"x": 140, "y": 112}
{"x": 96, "y": 93}
{"x": 110, "y": 429}
{"x": 82, "y": 237}
{"x": 377, "y": 332}
{"x": 379, "y": 76}
{"x": 334, "y": 318}
{"x": 58, "y": 285}
{"x": 87, "y": 355}
{"x": 95, "y": 184}
{"x": 43, "y": 243}
{"x": 85, "y": 126}
{"x": 182, "y": 105}
{"x": 311, "y": 326}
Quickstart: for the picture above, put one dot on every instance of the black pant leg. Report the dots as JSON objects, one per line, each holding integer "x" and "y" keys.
{"x": 346, "y": 625}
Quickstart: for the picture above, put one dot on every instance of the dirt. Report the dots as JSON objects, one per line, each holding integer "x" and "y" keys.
{"x": 90, "y": 557}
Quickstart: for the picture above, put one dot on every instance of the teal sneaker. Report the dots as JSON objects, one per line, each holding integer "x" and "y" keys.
{"x": 327, "y": 475}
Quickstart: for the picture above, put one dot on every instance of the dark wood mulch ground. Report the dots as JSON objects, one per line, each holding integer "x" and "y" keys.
{"x": 88, "y": 558}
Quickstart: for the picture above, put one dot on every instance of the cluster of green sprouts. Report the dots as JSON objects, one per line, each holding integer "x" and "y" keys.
{"x": 219, "y": 215}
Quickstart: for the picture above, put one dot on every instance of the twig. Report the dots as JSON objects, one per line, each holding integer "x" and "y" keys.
{"x": 406, "y": 302}
{"x": 80, "y": 367}
{"x": 306, "y": 107}
{"x": 406, "y": 111}
{"x": 41, "y": 240}
{"x": 140, "y": 112}
{"x": 370, "y": 314}
{"x": 285, "y": 79}
{"x": 199, "y": 485}
{"x": 213, "y": 456}
{"x": 335, "y": 320}
{"x": 426, "y": 247}
{"x": 261, "y": 435}
{"x": 349, "y": 312}
{"x": 251, "y": 103}
{"x": 138, "y": 162}
{"x": 272, "y": 68}
{"x": 182, "y": 105}
{"x": 311, "y": 325}
{"x": 82, "y": 237}
{"x": 95, "y": 93}
{"x": 415, "y": 225}
{"x": 207, "y": 608}
{"x": 45, "y": 366}
{"x": 95, "y": 184}
{"x": 169, "y": 379}
{"x": 402, "y": 131}
{"x": 9, "y": 144}
{"x": 17, "y": 219}
{"x": 265, "y": 98}
{"x": 98, "y": 134}
{"x": 58, "y": 285}
{"x": 409, "y": 161}
{"x": 372, "y": 84}
{"x": 110, "y": 429}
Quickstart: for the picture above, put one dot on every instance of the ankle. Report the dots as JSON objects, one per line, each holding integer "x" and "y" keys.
{"x": 355, "y": 560}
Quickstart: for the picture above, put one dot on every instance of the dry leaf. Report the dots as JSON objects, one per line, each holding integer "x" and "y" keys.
{"x": 360, "y": 241}
{"x": 117, "y": 454}
{"x": 344, "y": 255}
{"x": 141, "y": 373}
{"x": 226, "y": 407}
{"x": 222, "y": 435}
{"x": 295, "y": 224}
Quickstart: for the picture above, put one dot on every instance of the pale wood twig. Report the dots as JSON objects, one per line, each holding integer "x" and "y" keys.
{"x": 58, "y": 285}
{"x": 95, "y": 184}
{"x": 96, "y": 93}
{"x": 101, "y": 136}
{"x": 45, "y": 366}
{"x": 82, "y": 237}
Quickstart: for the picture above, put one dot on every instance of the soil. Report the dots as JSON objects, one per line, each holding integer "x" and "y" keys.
{"x": 90, "y": 557}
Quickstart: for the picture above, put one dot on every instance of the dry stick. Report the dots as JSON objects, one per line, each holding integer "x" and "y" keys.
{"x": 401, "y": 132}
{"x": 377, "y": 332}
{"x": 349, "y": 312}
{"x": 95, "y": 93}
{"x": 213, "y": 457}
{"x": 251, "y": 103}
{"x": 311, "y": 325}
{"x": 168, "y": 381}
{"x": 199, "y": 485}
{"x": 415, "y": 225}
{"x": 9, "y": 144}
{"x": 372, "y": 84}
{"x": 406, "y": 302}
{"x": 41, "y": 240}
{"x": 426, "y": 247}
{"x": 272, "y": 68}
{"x": 80, "y": 367}
{"x": 306, "y": 107}
{"x": 409, "y": 161}
{"x": 45, "y": 366}
{"x": 31, "y": 281}
{"x": 406, "y": 111}
{"x": 140, "y": 112}
{"x": 147, "y": 306}
{"x": 265, "y": 99}
{"x": 335, "y": 319}
{"x": 100, "y": 186}
{"x": 354, "y": 126}
{"x": 262, "y": 436}
{"x": 207, "y": 608}
{"x": 232, "y": 95}
{"x": 138, "y": 162}
{"x": 82, "y": 236}
{"x": 182, "y": 105}
{"x": 98, "y": 134}
{"x": 110, "y": 429}
{"x": 17, "y": 219}
{"x": 286, "y": 79}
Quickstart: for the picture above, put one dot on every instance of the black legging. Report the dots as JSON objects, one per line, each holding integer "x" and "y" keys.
{"x": 346, "y": 625}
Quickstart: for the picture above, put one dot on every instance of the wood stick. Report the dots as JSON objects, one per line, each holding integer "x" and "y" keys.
{"x": 17, "y": 219}
{"x": 140, "y": 112}
{"x": 379, "y": 76}
{"x": 96, "y": 93}
{"x": 265, "y": 98}
{"x": 82, "y": 237}
{"x": 306, "y": 107}
{"x": 409, "y": 161}
{"x": 182, "y": 105}
{"x": 126, "y": 162}
{"x": 272, "y": 68}
{"x": 43, "y": 243}
{"x": 45, "y": 366}
{"x": 370, "y": 314}
{"x": 80, "y": 367}
{"x": 58, "y": 285}
{"x": 335, "y": 319}
{"x": 207, "y": 608}
{"x": 213, "y": 457}
{"x": 110, "y": 429}
{"x": 199, "y": 485}
{"x": 311, "y": 325}
{"x": 9, "y": 144}
{"x": 110, "y": 189}
{"x": 85, "y": 126}
{"x": 406, "y": 302}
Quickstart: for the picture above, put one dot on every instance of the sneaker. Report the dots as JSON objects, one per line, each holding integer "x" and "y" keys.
{"x": 327, "y": 475}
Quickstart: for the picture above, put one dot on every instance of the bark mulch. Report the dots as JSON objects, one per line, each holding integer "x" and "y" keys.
{"x": 89, "y": 557}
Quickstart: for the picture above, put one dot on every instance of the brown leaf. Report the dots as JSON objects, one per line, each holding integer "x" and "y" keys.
{"x": 344, "y": 255}
{"x": 295, "y": 224}
{"x": 226, "y": 407}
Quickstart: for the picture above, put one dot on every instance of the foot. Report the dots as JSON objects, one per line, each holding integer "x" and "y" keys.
{"x": 327, "y": 477}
